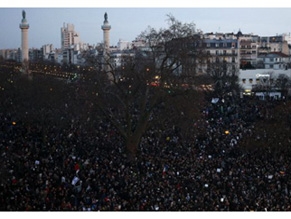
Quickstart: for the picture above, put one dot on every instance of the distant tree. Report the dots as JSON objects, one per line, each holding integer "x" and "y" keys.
{"x": 260, "y": 64}
{"x": 246, "y": 65}
{"x": 224, "y": 76}
{"x": 93, "y": 57}
{"x": 283, "y": 83}
{"x": 147, "y": 86}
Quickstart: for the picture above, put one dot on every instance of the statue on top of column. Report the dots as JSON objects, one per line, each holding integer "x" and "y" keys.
{"x": 105, "y": 17}
{"x": 23, "y": 14}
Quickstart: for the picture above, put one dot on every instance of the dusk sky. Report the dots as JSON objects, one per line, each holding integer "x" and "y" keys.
{"x": 129, "y": 18}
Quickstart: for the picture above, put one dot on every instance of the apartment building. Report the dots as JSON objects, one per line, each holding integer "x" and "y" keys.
{"x": 11, "y": 54}
{"x": 277, "y": 43}
{"x": 240, "y": 49}
{"x": 273, "y": 60}
{"x": 222, "y": 50}
{"x": 47, "y": 50}
{"x": 247, "y": 50}
{"x": 69, "y": 37}
{"x": 124, "y": 45}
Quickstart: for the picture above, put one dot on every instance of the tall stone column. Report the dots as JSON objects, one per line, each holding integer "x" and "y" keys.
{"x": 24, "y": 26}
{"x": 106, "y": 50}
{"x": 106, "y": 30}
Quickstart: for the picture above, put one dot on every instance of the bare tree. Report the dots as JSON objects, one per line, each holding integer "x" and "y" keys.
{"x": 224, "y": 76}
{"x": 141, "y": 88}
{"x": 283, "y": 83}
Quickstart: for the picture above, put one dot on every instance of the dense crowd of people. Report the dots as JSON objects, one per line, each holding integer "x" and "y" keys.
{"x": 46, "y": 167}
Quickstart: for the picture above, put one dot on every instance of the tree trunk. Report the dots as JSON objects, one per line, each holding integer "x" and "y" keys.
{"x": 132, "y": 143}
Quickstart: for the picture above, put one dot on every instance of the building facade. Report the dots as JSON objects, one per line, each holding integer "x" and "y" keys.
{"x": 273, "y": 60}
{"x": 249, "y": 80}
{"x": 69, "y": 37}
{"x": 222, "y": 50}
{"x": 247, "y": 50}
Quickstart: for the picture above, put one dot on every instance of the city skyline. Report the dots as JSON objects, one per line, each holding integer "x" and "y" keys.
{"x": 127, "y": 23}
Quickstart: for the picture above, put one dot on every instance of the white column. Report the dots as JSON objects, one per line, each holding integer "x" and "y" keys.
{"x": 24, "y": 44}
{"x": 24, "y": 26}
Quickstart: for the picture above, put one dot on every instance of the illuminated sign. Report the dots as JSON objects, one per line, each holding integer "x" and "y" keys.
{"x": 262, "y": 75}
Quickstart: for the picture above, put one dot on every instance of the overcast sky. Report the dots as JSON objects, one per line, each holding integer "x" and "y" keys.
{"x": 129, "y": 18}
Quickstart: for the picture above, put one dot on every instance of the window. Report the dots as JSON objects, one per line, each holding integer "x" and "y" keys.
{"x": 244, "y": 80}
{"x": 251, "y": 80}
